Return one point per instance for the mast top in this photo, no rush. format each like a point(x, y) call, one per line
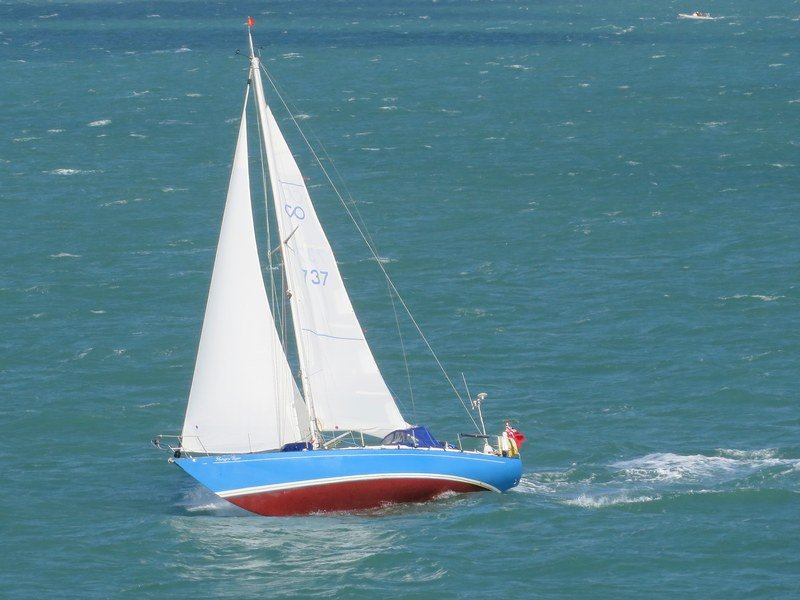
point(250, 23)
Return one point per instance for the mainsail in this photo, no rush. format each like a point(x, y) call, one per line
point(341, 381)
point(243, 396)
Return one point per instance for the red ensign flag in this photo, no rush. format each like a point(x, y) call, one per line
point(517, 436)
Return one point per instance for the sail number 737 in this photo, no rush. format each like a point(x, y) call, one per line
point(315, 277)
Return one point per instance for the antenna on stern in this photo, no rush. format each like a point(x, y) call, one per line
point(476, 405)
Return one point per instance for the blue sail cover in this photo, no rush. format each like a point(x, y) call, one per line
point(416, 437)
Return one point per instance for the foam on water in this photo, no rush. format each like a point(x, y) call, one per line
point(728, 465)
point(657, 476)
point(68, 172)
point(604, 501)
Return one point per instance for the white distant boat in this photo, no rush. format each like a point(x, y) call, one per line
point(697, 15)
point(276, 445)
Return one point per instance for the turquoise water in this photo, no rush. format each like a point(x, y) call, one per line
point(591, 208)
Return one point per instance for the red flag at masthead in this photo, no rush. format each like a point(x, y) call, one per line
point(250, 21)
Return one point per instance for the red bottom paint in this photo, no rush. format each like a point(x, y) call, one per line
point(353, 495)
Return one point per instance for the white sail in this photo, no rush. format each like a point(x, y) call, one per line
point(341, 381)
point(243, 396)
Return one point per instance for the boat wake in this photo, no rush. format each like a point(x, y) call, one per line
point(725, 466)
point(197, 500)
point(585, 501)
point(666, 475)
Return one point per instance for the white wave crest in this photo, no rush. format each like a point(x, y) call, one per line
point(762, 454)
point(729, 464)
point(201, 500)
point(528, 485)
point(585, 501)
point(659, 476)
point(762, 297)
point(216, 506)
point(672, 467)
point(381, 259)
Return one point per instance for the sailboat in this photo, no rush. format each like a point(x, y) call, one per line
point(336, 441)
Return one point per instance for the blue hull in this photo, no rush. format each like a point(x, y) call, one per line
point(290, 483)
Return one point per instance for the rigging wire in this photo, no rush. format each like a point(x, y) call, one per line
point(279, 309)
point(369, 244)
point(405, 357)
point(264, 187)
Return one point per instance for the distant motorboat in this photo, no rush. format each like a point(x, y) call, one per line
point(697, 15)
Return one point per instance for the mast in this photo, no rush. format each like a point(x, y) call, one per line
point(261, 105)
point(250, 23)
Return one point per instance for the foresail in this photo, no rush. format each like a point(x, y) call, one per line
point(243, 396)
point(341, 380)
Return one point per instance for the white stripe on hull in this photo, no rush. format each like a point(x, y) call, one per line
point(290, 485)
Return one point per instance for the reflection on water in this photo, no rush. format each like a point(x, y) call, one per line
point(299, 556)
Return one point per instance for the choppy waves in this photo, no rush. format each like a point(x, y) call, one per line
point(665, 475)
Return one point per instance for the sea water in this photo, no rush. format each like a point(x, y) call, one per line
point(591, 209)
